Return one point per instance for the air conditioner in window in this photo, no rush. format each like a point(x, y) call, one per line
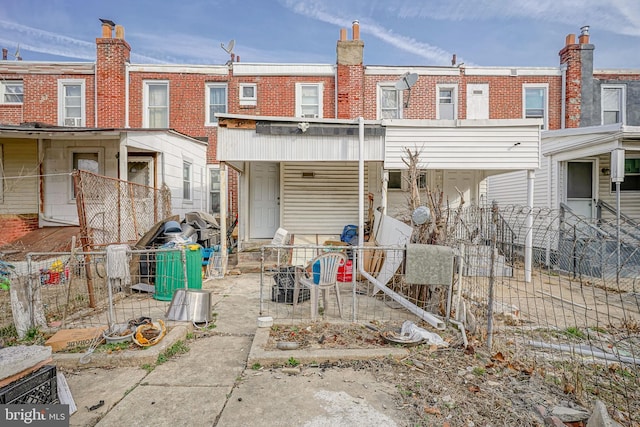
point(310, 116)
point(73, 122)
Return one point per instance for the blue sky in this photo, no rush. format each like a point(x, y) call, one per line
point(417, 32)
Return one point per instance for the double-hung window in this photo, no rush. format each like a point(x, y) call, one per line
point(156, 104)
point(214, 191)
point(71, 103)
point(389, 102)
point(309, 100)
point(11, 92)
point(535, 104)
point(446, 108)
point(187, 170)
point(216, 100)
point(613, 104)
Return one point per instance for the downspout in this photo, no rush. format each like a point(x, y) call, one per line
point(426, 316)
point(563, 106)
point(528, 243)
point(95, 96)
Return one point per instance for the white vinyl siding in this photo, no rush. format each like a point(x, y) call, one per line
point(309, 100)
point(156, 104)
point(613, 104)
point(71, 103)
point(389, 101)
point(447, 102)
point(535, 102)
point(216, 101)
point(323, 204)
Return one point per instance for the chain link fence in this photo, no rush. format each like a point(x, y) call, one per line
point(574, 318)
point(115, 211)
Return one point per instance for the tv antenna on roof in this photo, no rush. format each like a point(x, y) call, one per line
point(229, 48)
point(407, 80)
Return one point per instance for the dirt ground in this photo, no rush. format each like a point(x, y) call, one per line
point(458, 386)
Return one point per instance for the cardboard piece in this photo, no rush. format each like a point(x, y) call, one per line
point(372, 259)
point(66, 339)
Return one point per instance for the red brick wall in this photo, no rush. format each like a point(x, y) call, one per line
point(16, 226)
point(350, 91)
point(570, 55)
point(111, 58)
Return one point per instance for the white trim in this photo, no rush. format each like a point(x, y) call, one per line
point(208, 120)
point(187, 161)
point(454, 98)
point(62, 119)
point(319, 87)
point(512, 71)
point(3, 86)
point(71, 151)
point(258, 69)
point(248, 100)
point(380, 70)
point(400, 99)
point(622, 101)
point(145, 97)
point(544, 86)
point(219, 70)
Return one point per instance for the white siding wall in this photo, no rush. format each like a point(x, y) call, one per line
point(175, 150)
point(501, 147)
point(59, 203)
point(19, 159)
point(323, 204)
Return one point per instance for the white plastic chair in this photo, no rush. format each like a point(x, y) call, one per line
point(327, 278)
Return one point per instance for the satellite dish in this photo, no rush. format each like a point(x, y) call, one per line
point(421, 215)
point(230, 45)
point(406, 81)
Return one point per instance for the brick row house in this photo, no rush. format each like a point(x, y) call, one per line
point(282, 145)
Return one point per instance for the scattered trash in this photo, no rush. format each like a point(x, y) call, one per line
point(411, 334)
point(96, 406)
point(149, 334)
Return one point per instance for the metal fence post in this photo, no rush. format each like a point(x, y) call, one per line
point(492, 273)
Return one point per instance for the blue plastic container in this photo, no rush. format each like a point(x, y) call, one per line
point(315, 268)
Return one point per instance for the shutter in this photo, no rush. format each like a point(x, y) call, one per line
point(323, 203)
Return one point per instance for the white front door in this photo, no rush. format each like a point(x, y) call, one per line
point(581, 187)
point(462, 180)
point(264, 194)
point(478, 101)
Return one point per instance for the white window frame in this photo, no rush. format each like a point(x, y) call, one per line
point(320, 88)
point(454, 98)
point(146, 106)
point(71, 152)
point(248, 100)
point(3, 92)
point(623, 101)
point(400, 99)
point(213, 168)
point(62, 100)
point(543, 86)
point(209, 120)
point(187, 180)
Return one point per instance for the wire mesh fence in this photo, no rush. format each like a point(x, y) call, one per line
point(104, 289)
point(574, 316)
point(115, 211)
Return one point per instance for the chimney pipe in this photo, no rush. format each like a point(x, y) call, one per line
point(119, 32)
point(584, 34)
point(343, 34)
point(5, 53)
point(355, 30)
point(106, 31)
point(571, 39)
point(453, 59)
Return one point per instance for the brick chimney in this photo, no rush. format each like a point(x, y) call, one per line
point(112, 55)
point(579, 97)
point(350, 81)
point(5, 53)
